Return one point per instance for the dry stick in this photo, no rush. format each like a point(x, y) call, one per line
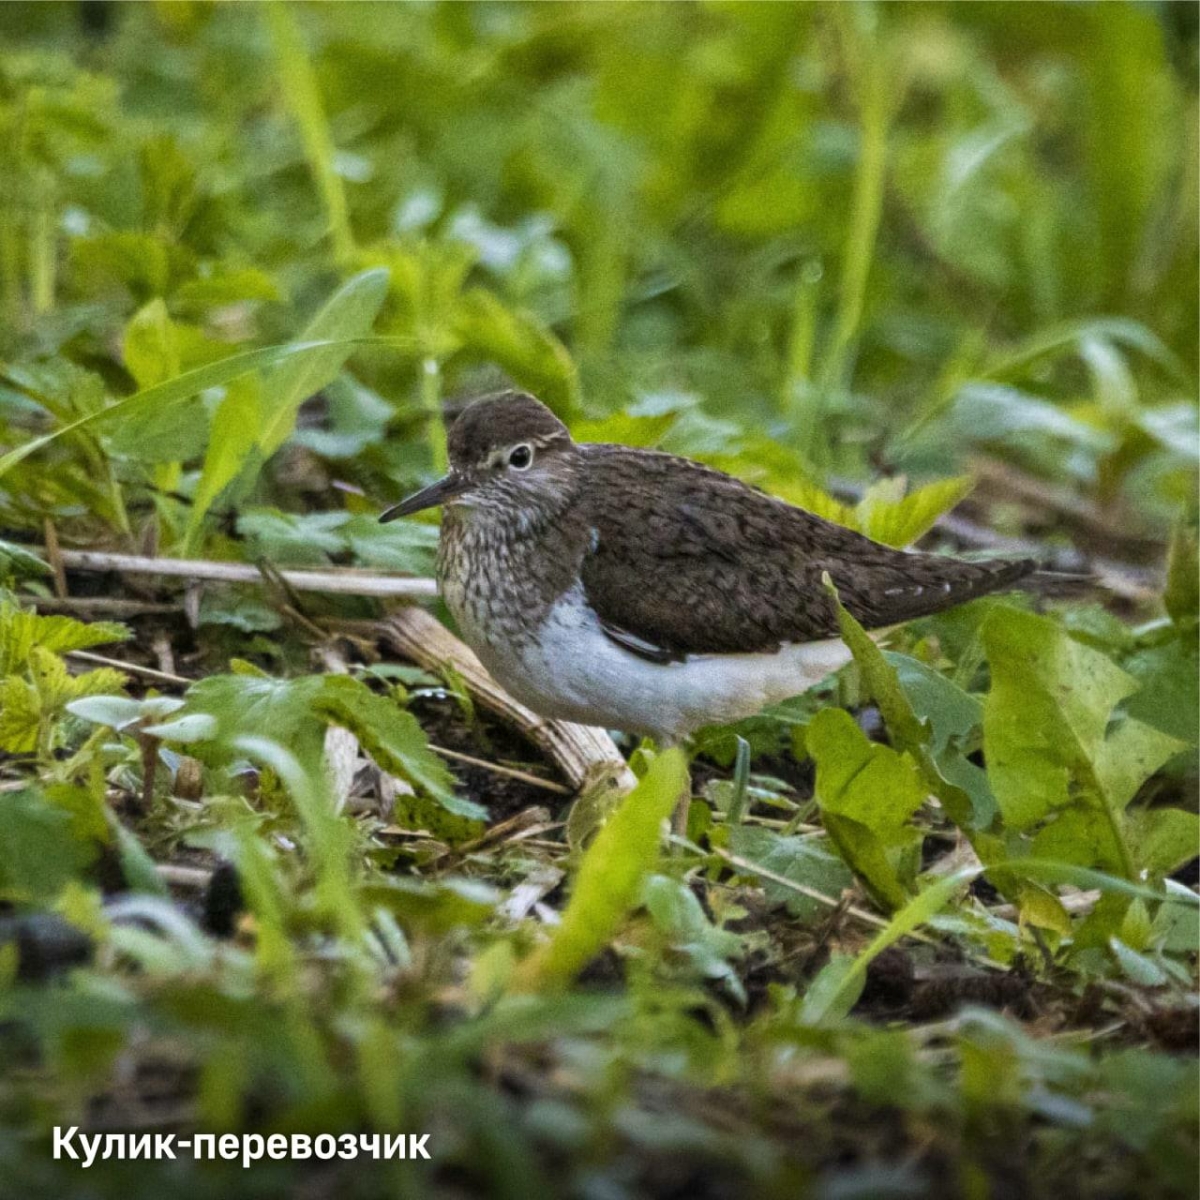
point(130, 668)
point(184, 877)
point(344, 581)
point(499, 769)
point(586, 756)
point(111, 606)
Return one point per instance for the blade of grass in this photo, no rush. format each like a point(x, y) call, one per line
point(833, 993)
point(610, 875)
point(864, 45)
point(184, 386)
point(304, 99)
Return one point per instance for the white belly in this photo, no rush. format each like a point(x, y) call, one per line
point(574, 672)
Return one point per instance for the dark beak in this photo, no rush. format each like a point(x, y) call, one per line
point(430, 497)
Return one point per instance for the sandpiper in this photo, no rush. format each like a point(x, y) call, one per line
point(641, 591)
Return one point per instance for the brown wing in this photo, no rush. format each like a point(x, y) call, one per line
point(692, 561)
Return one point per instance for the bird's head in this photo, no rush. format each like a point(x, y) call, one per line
point(508, 452)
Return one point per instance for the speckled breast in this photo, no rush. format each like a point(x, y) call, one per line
point(494, 580)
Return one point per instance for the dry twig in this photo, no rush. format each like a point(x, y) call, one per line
point(343, 581)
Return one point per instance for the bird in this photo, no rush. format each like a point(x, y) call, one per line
point(645, 592)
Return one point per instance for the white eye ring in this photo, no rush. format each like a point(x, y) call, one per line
point(520, 457)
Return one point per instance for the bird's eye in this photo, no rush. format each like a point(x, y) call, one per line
point(520, 457)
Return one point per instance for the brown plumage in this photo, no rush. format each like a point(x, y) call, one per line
point(695, 561)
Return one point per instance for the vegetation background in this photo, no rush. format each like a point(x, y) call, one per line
point(934, 929)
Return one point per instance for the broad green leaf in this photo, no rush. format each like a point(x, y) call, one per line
point(151, 345)
point(868, 793)
point(1169, 689)
point(1163, 839)
point(21, 631)
point(804, 861)
point(347, 315)
point(1057, 750)
point(392, 737)
point(225, 287)
point(241, 703)
point(39, 847)
point(114, 711)
point(886, 515)
point(609, 878)
point(233, 435)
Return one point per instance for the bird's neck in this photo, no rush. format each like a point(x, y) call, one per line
point(502, 568)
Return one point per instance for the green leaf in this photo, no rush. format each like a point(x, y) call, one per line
point(1057, 750)
point(349, 314)
point(1163, 839)
point(151, 345)
point(114, 711)
point(609, 878)
point(886, 515)
point(1169, 693)
point(296, 712)
point(165, 396)
point(225, 287)
point(20, 561)
point(680, 917)
point(392, 737)
point(233, 435)
point(21, 631)
point(834, 992)
point(137, 866)
point(867, 794)
point(31, 704)
point(239, 703)
point(39, 849)
point(804, 861)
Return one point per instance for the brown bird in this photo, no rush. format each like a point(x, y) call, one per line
point(641, 591)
